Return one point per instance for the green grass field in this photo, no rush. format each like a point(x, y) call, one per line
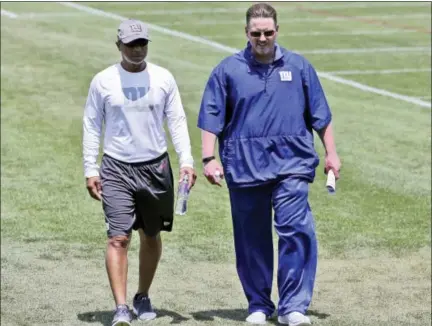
point(374, 235)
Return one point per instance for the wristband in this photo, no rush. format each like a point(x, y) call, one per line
point(207, 159)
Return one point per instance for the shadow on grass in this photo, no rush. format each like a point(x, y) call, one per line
point(231, 314)
point(317, 314)
point(105, 317)
point(176, 318)
point(241, 314)
point(102, 317)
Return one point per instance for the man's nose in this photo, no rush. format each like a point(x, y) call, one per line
point(138, 47)
point(262, 37)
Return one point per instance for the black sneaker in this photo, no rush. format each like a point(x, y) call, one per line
point(142, 307)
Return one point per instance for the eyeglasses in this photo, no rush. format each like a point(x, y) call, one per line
point(266, 33)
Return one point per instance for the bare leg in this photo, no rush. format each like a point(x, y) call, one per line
point(149, 256)
point(116, 263)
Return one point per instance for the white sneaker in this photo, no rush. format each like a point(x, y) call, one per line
point(294, 319)
point(257, 318)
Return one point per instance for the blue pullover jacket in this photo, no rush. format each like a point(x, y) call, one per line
point(264, 116)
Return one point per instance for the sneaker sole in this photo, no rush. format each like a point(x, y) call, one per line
point(144, 319)
point(122, 323)
point(254, 323)
point(301, 324)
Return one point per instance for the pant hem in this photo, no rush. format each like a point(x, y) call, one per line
point(286, 311)
point(266, 312)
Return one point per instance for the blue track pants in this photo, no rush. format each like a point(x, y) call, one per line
point(251, 209)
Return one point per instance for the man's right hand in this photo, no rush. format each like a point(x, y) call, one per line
point(94, 187)
point(214, 173)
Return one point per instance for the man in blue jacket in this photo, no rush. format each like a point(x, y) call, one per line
point(262, 104)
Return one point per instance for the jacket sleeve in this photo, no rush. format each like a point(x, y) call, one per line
point(318, 109)
point(212, 112)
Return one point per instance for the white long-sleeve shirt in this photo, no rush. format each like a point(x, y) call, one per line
point(134, 107)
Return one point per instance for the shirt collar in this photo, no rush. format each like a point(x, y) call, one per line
point(250, 57)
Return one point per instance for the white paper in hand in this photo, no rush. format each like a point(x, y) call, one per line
point(217, 176)
point(331, 182)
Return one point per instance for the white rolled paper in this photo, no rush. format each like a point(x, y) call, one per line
point(217, 176)
point(331, 182)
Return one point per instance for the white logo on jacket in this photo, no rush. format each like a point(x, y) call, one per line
point(285, 75)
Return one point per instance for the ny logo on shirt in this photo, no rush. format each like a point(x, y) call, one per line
point(139, 99)
point(135, 93)
point(285, 75)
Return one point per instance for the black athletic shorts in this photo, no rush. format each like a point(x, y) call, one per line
point(137, 195)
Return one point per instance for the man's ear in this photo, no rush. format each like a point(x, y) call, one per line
point(246, 30)
point(118, 45)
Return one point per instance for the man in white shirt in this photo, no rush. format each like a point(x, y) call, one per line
point(135, 184)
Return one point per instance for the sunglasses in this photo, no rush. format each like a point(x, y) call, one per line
point(266, 33)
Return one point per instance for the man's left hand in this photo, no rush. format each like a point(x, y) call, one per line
point(190, 172)
point(332, 162)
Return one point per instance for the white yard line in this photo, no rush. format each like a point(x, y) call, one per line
point(366, 50)
point(184, 11)
point(372, 5)
point(299, 20)
point(38, 15)
point(221, 10)
point(228, 49)
point(157, 28)
point(33, 15)
point(370, 89)
point(9, 14)
point(279, 9)
point(377, 72)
